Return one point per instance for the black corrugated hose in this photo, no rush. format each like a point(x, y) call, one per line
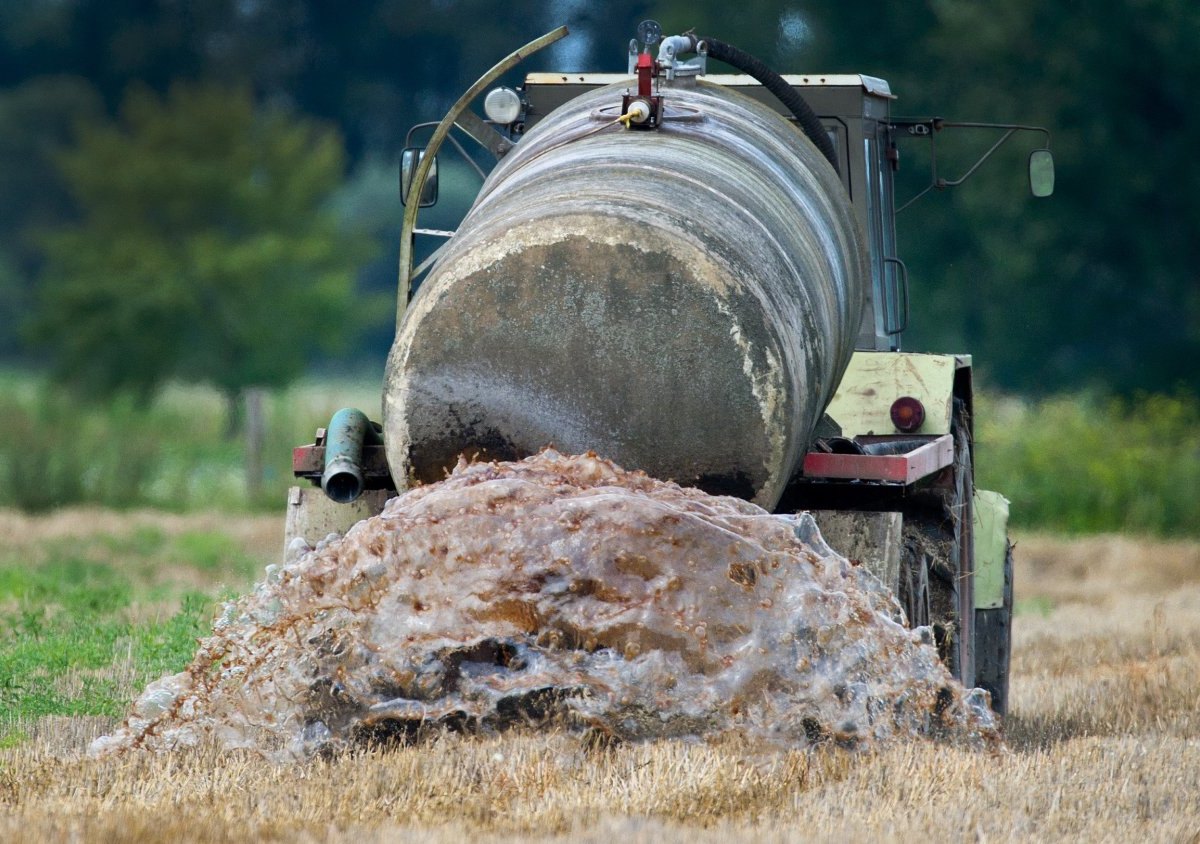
point(777, 85)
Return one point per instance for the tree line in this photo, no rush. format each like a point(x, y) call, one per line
point(205, 190)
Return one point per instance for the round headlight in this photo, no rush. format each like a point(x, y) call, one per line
point(502, 105)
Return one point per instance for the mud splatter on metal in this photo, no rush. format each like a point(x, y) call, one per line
point(683, 301)
point(562, 590)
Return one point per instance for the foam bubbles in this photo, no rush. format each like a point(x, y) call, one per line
point(561, 590)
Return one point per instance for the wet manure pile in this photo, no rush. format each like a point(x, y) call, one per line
point(560, 592)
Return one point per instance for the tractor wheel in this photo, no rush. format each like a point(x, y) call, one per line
point(993, 643)
point(938, 558)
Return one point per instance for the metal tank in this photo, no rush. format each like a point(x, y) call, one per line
point(683, 301)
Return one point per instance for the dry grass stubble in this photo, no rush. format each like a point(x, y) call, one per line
point(1104, 745)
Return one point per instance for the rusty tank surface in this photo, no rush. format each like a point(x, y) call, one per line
point(683, 301)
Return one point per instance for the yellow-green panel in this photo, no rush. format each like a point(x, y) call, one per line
point(991, 548)
point(873, 380)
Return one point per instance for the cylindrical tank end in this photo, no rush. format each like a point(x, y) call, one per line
point(683, 302)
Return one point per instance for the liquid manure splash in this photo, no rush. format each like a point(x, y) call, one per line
point(560, 591)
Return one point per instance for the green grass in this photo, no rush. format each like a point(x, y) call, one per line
point(85, 622)
point(172, 454)
point(1085, 464)
point(1039, 605)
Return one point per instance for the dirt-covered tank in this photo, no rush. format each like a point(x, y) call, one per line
point(683, 301)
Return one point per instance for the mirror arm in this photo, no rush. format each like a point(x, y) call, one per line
point(953, 183)
point(931, 126)
point(404, 286)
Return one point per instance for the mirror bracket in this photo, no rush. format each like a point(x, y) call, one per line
point(929, 127)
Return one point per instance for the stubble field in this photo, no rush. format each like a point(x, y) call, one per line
point(1103, 742)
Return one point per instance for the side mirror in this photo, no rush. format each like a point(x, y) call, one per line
point(1041, 172)
point(409, 159)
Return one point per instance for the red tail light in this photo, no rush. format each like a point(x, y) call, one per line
point(908, 414)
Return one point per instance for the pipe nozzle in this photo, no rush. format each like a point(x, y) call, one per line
point(349, 430)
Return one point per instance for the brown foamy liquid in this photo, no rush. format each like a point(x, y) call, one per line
point(561, 591)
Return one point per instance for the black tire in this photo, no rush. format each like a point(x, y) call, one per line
point(938, 558)
point(993, 643)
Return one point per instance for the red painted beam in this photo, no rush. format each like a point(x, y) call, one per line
point(897, 468)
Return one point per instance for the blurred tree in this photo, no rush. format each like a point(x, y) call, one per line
point(1098, 285)
point(205, 251)
point(37, 119)
point(1095, 285)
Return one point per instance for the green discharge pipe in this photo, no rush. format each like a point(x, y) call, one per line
point(348, 431)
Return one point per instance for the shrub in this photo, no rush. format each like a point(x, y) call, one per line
point(1085, 463)
point(172, 453)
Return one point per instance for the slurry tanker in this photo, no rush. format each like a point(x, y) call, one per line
point(694, 275)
